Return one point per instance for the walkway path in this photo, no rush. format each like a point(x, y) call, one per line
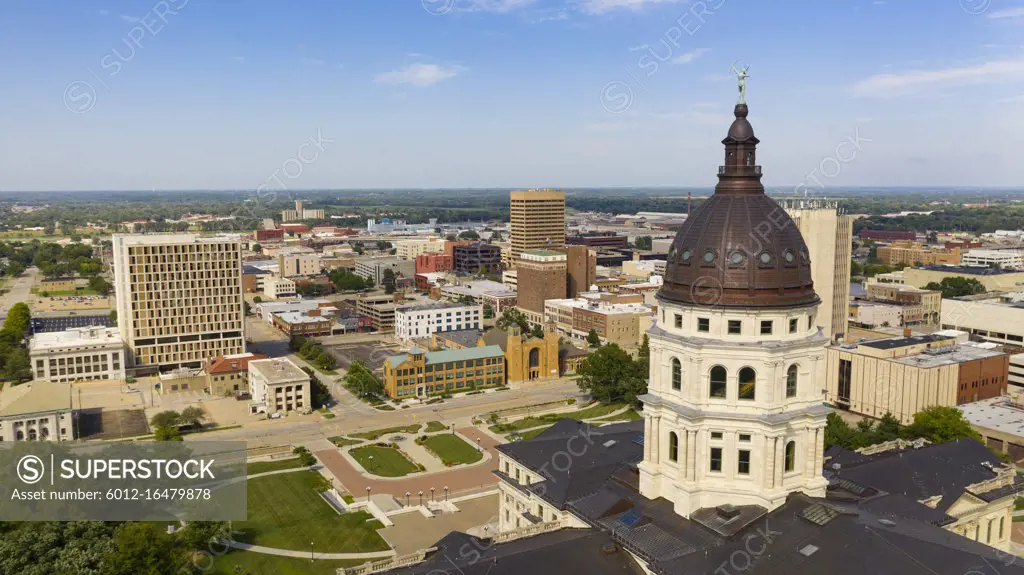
point(307, 554)
point(460, 479)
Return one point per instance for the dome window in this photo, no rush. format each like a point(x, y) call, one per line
point(765, 258)
point(709, 256)
point(789, 256)
point(737, 259)
point(685, 256)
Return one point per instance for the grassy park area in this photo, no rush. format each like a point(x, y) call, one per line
point(340, 441)
point(237, 561)
point(278, 465)
point(594, 411)
point(378, 433)
point(384, 461)
point(452, 449)
point(286, 511)
point(433, 426)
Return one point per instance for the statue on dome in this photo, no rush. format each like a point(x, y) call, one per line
point(741, 79)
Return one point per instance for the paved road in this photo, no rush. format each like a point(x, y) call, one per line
point(464, 479)
point(19, 290)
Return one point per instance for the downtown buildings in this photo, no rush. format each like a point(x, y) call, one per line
point(179, 299)
point(537, 221)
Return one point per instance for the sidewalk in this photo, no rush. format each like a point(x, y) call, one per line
point(307, 554)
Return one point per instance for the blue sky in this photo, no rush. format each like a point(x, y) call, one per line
point(212, 94)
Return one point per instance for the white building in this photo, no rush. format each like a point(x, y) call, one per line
point(297, 262)
point(267, 309)
point(510, 278)
point(1006, 259)
point(373, 268)
point(483, 292)
point(986, 316)
point(278, 288)
point(78, 354)
point(643, 269)
point(36, 411)
point(278, 385)
point(421, 321)
point(733, 413)
point(409, 249)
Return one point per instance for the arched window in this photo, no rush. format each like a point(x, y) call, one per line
point(718, 382)
point(748, 383)
point(790, 456)
point(673, 446)
point(791, 381)
point(677, 374)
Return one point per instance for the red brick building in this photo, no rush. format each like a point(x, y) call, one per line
point(433, 262)
point(269, 235)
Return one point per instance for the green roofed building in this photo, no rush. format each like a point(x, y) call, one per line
point(422, 373)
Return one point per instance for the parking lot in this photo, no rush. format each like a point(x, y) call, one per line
point(372, 354)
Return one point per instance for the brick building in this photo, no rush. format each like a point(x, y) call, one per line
point(541, 275)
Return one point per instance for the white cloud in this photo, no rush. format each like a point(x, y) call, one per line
point(1007, 14)
point(130, 19)
point(639, 47)
point(884, 85)
point(104, 12)
point(603, 6)
point(418, 74)
point(690, 56)
point(496, 6)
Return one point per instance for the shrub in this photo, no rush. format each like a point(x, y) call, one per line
point(571, 401)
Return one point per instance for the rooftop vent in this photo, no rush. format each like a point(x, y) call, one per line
point(887, 522)
point(609, 443)
point(808, 550)
point(727, 511)
point(608, 548)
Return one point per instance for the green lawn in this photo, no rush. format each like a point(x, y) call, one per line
point(1018, 504)
point(595, 411)
point(287, 512)
point(452, 449)
point(378, 433)
point(435, 426)
point(533, 432)
point(238, 562)
point(265, 466)
point(343, 441)
point(628, 415)
point(384, 461)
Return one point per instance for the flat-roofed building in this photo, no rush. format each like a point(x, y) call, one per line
point(476, 258)
point(279, 288)
point(420, 321)
point(993, 279)
point(229, 375)
point(380, 309)
point(1000, 422)
point(297, 261)
point(541, 276)
point(278, 385)
point(920, 306)
point(613, 320)
point(54, 285)
point(78, 354)
point(411, 249)
point(912, 254)
point(304, 323)
point(990, 317)
point(266, 310)
point(905, 375)
point(537, 220)
point(373, 268)
point(179, 298)
point(869, 314)
point(1016, 376)
point(422, 373)
point(37, 411)
point(483, 292)
point(1005, 259)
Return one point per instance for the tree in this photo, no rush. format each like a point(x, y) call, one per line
point(856, 269)
point(167, 418)
point(388, 280)
point(469, 235)
point(257, 299)
point(100, 285)
point(18, 319)
point(644, 242)
point(537, 331)
point(257, 249)
point(511, 317)
point(44, 547)
point(643, 356)
point(593, 339)
point(939, 424)
point(321, 395)
point(113, 316)
point(143, 548)
point(246, 308)
point(610, 374)
point(17, 365)
point(194, 416)
point(15, 269)
point(488, 311)
point(383, 245)
point(362, 382)
point(167, 434)
point(956, 287)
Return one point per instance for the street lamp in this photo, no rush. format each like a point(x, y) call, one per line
point(421, 497)
point(310, 551)
point(446, 493)
point(367, 493)
point(406, 498)
point(431, 494)
point(453, 429)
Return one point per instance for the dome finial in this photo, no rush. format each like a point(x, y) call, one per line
point(741, 80)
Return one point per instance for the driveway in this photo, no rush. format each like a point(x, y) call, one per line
point(19, 289)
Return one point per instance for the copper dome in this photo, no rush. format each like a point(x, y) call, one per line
point(739, 248)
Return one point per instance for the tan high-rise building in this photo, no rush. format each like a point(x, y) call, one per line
point(829, 237)
point(179, 298)
point(540, 275)
point(538, 220)
point(581, 270)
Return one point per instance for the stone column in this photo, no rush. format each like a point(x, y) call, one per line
point(692, 462)
point(648, 439)
point(819, 451)
point(656, 440)
point(780, 459)
point(810, 452)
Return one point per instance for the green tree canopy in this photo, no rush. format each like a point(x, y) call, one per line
point(510, 317)
point(610, 374)
point(593, 339)
point(956, 286)
point(939, 424)
point(362, 382)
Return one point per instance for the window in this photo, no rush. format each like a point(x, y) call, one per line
point(748, 383)
point(743, 462)
point(716, 459)
point(792, 325)
point(673, 446)
point(790, 456)
point(703, 324)
point(810, 322)
point(718, 382)
point(677, 374)
point(716, 435)
point(791, 381)
point(766, 327)
point(988, 532)
point(745, 437)
point(679, 321)
point(735, 327)
point(845, 377)
point(1000, 519)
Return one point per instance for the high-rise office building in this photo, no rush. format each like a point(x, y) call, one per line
point(179, 298)
point(829, 236)
point(538, 220)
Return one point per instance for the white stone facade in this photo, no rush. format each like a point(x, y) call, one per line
point(734, 410)
point(78, 354)
point(423, 321)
